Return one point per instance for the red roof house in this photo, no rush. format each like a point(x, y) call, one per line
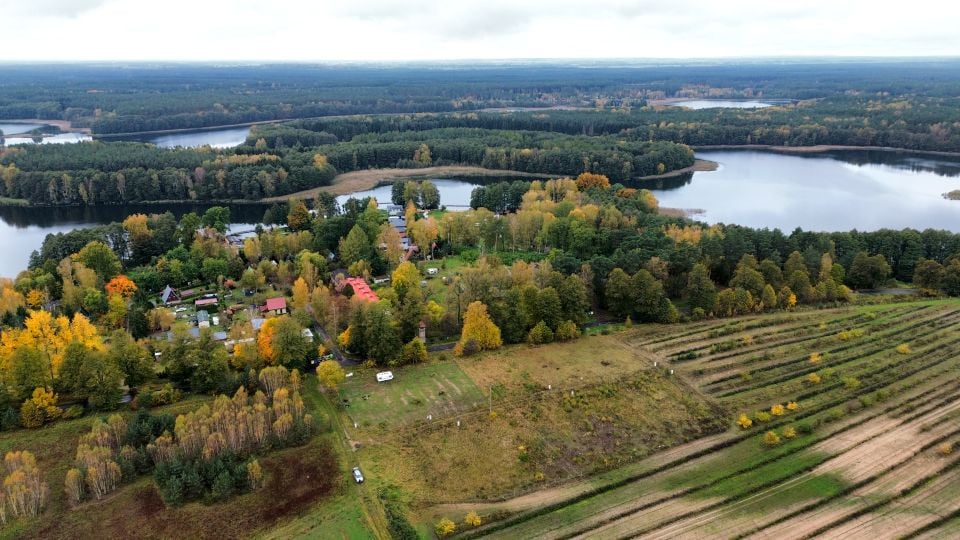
point(360, 289)
point(277, 306)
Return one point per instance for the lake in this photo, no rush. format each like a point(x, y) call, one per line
point(14, 134)
point(720, 104)
point(216, 138)
point(453, 193)
point(22, 229)
point(818, 192)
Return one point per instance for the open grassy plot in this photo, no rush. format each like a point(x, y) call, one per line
point(437, 389)
point(860, 455)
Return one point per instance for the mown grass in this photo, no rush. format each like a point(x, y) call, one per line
point(434, 388)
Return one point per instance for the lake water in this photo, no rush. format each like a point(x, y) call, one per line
point(14, 134)
point(22, 230)
point(453, 193)
point(819, 192)
point(13, 129)
point(216, 138)
point(720, 104)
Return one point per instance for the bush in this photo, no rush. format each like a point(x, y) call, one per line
point(816, 358)
point(789, 432)
point(770, 438)
point(777, 410)
point(903, 348)
point(567, 331)
point(762, 416)
point(744, 421)
point(540, 334)
point(945, 449)
point(851, 383)
point(10, 419)
point(472, 519)
point(792, 406)
point(400, 528)
point(39, 409)
point(445, 527)
point(813, 378)
point(73, 411)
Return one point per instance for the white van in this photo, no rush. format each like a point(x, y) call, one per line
point(384, 376)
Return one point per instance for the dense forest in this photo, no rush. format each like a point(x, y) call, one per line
point(108, 173)
point(133, 98)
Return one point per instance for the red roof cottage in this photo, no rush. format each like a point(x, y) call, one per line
point(277, 306)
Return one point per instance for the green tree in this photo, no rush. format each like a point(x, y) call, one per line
point(429, 195)
point(216, 217)
point(928, 275)
point(701, 291)
point(133, 360)
point(355, 246)
point(618, 292)
point(98, 257)
point(868, 272)
point(101, 381)
point(769, 297)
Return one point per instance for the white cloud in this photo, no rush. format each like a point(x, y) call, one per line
point(465, 29)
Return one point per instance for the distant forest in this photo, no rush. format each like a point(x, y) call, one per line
point(131, 98)
point(540, 118)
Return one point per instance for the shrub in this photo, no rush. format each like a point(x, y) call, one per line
point(851, 383)
point(445, 527)
point(762, 416)
point(39, 409)
point(472, 520)
point(73, 411)
point(777, 410)
point(789, 432)
point(945, 449)
point(540, 334)
point(792, 406)
point(567, 331)
point(903, 348)
point(770, 438)
point(805, 428)
point(813, 378)
point(744, 421)
point(816, 358)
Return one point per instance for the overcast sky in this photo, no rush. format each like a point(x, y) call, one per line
point(195, 30)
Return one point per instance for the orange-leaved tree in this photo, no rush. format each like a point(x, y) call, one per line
point(121, 285)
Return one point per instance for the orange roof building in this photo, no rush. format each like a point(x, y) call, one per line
point(360, 289)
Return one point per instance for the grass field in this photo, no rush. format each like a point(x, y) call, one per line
point(438, 389)
point(861, 457)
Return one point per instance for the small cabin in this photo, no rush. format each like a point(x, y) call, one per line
point(275, 306)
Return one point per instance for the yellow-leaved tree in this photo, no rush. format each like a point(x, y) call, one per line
point(301, 294)
point(50, 336)
point(479, 333)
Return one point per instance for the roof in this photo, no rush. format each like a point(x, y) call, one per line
point(361, 289)
point(274, 304)
point(206, 302)
point(257, 323)
point(167, 293)
point(203, 316)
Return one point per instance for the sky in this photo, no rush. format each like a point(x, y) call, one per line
point(403, 30)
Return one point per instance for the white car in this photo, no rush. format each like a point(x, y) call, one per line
point(357, 475)
point(384, 376)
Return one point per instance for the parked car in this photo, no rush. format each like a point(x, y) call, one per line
point(384, 376)
point(357, 475)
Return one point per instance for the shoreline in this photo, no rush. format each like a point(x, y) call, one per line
point(822, 148)
point(699, 165)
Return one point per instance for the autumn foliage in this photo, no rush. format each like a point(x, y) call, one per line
point(121, 285)
point(589, 180)
point(479, 333)
point(24, 491)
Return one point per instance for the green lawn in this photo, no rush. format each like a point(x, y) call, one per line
point(436, 389)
